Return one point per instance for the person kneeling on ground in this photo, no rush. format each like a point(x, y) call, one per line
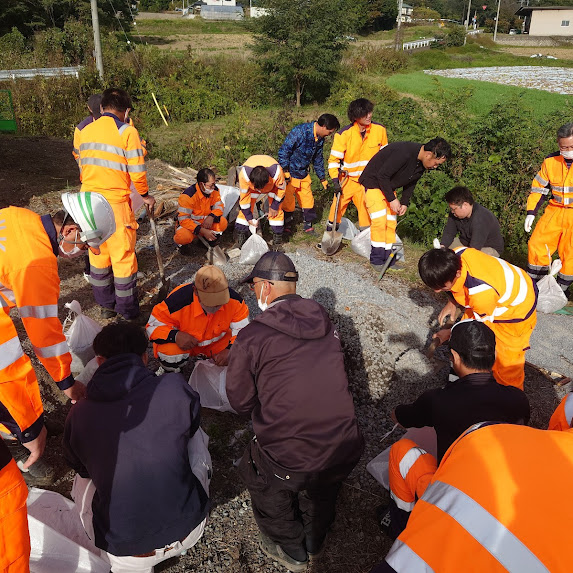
point(476, 226)
point(286, 370)
point(200, 212)
point(199, 318)
point(474, 397)
point(133, 459)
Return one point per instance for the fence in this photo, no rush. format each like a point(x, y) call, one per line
point(34, 72)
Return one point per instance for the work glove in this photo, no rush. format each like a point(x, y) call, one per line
point(437, 244)
point(528, 222)
point(324, 183)
point(337, 187)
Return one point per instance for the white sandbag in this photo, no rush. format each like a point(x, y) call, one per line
point(59, 541)
point(210, 382)
point(229, 196)
point(80, 335)
point(136, 200)
point(253, 249)
point(551, 297)
point(361, 245)
point(88, 372)
point(200, 458)
point(348, 229)
point(425, 437)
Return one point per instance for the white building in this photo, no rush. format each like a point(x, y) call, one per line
point(547, 20)
point(220, 2)
point(406, 13)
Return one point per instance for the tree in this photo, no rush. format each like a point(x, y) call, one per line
point(378, 14)
point(300, 43)
point(423, 13)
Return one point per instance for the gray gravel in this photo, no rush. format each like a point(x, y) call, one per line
point(556, 80)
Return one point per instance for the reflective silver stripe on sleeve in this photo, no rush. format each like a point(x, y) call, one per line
point(490, 533)
point(337, 154)
point(123, 128)
point(153, 323)
point(52, 351)
point(218, 205)
point(7, 293)
point(185, 210)
point(103, 163)
point(172, 358)
point(137, 168)
point(10, 351)
point(134, 153)
point(236, 326)
point(103, 147)
point(207, 342)
point(44, 311)
point(540, 180)
point(569, 408)
point(183, 217)
point(405, 560)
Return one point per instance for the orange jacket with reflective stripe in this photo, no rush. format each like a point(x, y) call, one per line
point(275, 188)
point(181, 310)
point(493, 289)
point(353, 151)
point(563, 415)
point(553, 176)
point(111, 158)
point(76, 149)
point(194, 206)
point(490, 506)
point(29, 280)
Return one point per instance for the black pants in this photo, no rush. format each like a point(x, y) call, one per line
point(294, 509)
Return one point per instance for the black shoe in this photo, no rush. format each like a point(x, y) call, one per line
point(315, 552)
point(139, 320)
point(309, 231)
point(383, 518)
point(107, 313)
point(39, 473)
point(277, 553)
point(277, 243)
point(185, 250)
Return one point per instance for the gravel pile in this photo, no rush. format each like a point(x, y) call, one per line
point(556, 80)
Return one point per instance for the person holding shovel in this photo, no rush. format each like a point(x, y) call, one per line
point(200, 212)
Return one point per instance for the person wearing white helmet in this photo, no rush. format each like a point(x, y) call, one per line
point(29, 281)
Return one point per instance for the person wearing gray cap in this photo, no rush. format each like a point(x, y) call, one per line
point(286, 370)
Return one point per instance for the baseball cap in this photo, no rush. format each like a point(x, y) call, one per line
point(212, 286)
point(273, 266)
point(94, 103)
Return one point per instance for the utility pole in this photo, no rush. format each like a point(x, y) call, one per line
point(398, 39)
point(468, 20)
point(97, 40)
point(496, 20)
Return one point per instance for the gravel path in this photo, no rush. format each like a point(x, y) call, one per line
point(556, 80)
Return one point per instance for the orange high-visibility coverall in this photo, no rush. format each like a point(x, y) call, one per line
point(554, 230)
point(352, 152)
point(181, 310)
point(505, 298)
point(488, 507)
point(275, 189)
point(111, 158)
point(562, 418)
point(14, 537)
point(29, 282)
point(194, 207)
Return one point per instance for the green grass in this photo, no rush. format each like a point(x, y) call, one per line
point(187, 27)
point(485, 95)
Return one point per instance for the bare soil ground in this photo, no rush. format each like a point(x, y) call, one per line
point(559, 53)
point(203, 43)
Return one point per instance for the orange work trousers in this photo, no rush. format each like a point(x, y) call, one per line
point(382, 228)
point(301, 188)
point(14, 536)
point(276, 222)
point(184, 236)
point(352, 191)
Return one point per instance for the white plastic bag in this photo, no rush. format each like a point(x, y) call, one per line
point(200, 458)
point(551, 296)
point(229, 196)
point(209, 381)
point(88, 372)
point(80, 336)
point(361, 245)
point(348, 229)
point(253, 249)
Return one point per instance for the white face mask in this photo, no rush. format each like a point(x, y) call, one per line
point(567, 154)
point(74, 253)
point(263, 305)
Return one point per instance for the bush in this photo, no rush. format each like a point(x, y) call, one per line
point(369, 59)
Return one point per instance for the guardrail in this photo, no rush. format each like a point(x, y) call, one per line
point(417, 44)
point(45, 72)
point(474, 32)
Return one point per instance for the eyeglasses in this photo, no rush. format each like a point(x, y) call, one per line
point(252, 285)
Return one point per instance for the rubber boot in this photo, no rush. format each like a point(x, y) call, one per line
point(277, 243)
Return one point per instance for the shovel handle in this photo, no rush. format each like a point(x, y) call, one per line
point(156, 243)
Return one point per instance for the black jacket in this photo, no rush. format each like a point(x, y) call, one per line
point(130, 437)
point(286, 369)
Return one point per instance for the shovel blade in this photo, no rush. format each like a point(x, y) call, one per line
point(217, 256)
point(330, 242)
point(164, 290)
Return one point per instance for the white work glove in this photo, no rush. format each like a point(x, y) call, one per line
point(437, 244)
point(528, 222)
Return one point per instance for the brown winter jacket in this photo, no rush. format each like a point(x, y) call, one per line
point(286, 369)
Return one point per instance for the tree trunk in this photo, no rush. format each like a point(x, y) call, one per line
point(298, 92)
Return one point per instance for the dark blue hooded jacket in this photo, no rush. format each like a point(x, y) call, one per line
point(300, 149)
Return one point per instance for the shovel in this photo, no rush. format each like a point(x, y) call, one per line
point(331, 239)
point(165, 287)
point(215, 255)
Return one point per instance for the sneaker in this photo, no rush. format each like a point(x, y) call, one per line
point(276, 553)
point(309, 231)
point(107, 313)
point(38, 474)
point(397, 266)
point(277, 243)
point(383, 518)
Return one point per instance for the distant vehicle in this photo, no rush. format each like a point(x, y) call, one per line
point(178, 9)
point(514, 31)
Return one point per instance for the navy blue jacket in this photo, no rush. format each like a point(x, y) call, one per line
point(130, 437)
point(299, 150)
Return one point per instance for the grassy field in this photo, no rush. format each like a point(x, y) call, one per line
point(185, 26)
point(485, 95)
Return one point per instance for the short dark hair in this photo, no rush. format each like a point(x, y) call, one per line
point(439, 147)
point(565, 131)
point(115, 98)
point(60, 217)
point(259, 177)
point(438, 267)
point(474, 341)
point(203, 175)
point(458, 196)
point(120, 338)
point(359, 108)
point(329, 121)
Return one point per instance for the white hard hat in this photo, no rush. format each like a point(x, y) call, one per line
point(93, 213)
